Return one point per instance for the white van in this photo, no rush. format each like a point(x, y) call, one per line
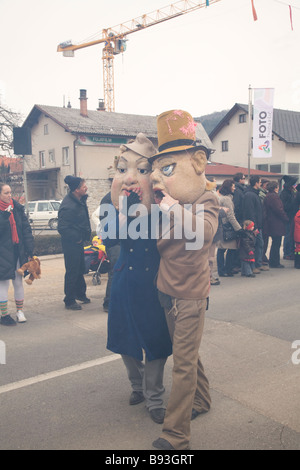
point(43, 213)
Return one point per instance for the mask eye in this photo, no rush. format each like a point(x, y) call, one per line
point(121, 169)
point(168, 170)
point(143, 171)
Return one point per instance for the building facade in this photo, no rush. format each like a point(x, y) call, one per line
point(230, 139)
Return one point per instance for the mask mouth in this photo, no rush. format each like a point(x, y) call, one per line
point(158, 196)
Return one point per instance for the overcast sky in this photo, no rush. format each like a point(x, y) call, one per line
point(201, 62)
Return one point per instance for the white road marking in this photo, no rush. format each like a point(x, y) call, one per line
point(57, 373)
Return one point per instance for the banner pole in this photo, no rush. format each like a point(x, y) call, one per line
point(249, 129)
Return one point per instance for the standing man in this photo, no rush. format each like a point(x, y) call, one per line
point(74, 228)
point(238, 196)
point(253, 210)
point(181, 189)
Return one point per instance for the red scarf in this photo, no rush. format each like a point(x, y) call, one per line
point(14, 233)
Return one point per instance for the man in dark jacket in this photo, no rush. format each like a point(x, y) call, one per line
point(287, 196)
point(238, 196)
point(74, 228)
point(253, 211)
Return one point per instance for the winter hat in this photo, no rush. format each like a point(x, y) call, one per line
point(289, 180)
point(73, 182)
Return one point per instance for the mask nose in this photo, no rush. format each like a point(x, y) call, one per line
point(130, 177)
point(155, 177)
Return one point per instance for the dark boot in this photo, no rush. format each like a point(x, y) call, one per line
point(297, 261)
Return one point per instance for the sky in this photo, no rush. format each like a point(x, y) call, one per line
point(202, 62)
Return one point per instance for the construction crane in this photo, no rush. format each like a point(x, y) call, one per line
point(114, 40)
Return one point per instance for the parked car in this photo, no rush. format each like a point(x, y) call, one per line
point(43, 213)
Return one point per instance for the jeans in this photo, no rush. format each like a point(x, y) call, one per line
point(288, 242)
point(259, 249)
point(247, 268)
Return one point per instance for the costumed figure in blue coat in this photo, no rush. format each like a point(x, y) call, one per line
point(137, 328)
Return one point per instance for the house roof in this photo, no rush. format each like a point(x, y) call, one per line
point(286, 124)
point(103, 122)
point(221, 169)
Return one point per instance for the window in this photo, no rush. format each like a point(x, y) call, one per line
point(242, 118)
point(293, 168)
point(46, 130)
point(275, 168)
point(65, 156)
point(51, 156)
point(263, 167)
point(44, 207)
point(224, 145)
point(42, 159)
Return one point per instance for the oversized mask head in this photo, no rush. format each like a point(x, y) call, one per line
point(179, 167)
point(133, 172)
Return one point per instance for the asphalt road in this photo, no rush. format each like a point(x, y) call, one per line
point(61, 389)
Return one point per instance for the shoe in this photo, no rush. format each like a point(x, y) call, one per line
point(21, 317)
point(278, 266)
point(105, 308)
point(196, 413)
point(289, 257)
point(162, 444)
point(214, 281)
point(74, 306)
point(250, 275)
point(158, 415)
point(264, 267)
point(7, 321)
point(236, 270)
point(84, 300)
point(256, 271)
point(136, 398)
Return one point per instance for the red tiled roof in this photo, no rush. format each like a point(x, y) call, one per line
point(214, 168)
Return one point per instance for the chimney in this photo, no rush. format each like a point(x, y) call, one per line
point(101, 105)
point(83, 103)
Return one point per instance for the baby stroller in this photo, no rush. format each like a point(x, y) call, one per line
point(96, 260)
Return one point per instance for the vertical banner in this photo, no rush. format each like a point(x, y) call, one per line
point(262, 122)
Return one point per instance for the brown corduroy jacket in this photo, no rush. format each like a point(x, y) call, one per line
point(184, 273)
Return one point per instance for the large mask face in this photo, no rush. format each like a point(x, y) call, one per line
point(132, 174)
point(181, 175)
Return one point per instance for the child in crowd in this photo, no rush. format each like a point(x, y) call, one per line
point(247, 248)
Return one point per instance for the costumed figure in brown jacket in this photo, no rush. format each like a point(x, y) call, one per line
point(183, 193)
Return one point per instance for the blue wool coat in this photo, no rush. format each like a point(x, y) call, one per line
point(136, 320)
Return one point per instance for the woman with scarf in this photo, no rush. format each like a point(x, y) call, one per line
point(16, 245)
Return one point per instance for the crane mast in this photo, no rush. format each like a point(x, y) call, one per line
point(114, 40)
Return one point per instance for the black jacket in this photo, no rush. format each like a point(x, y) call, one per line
point(73, 219)
point(288, 196)
point(7, 250)
point(238, 197)
point(253, 209)
point(247, 244)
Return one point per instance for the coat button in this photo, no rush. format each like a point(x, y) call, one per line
point(146, 249)
point(130, 268)
point(147, 269)
point(131, 250)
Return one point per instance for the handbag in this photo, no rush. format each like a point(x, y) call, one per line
point(229, 233)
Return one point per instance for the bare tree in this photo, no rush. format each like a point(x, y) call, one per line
point(8, 120)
